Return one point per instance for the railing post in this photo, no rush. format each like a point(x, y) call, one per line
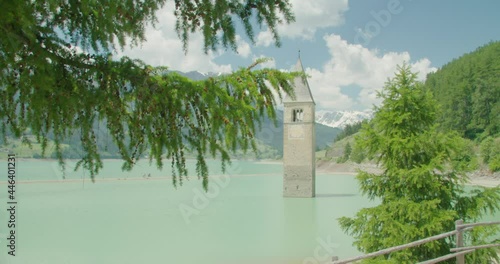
point(459, 240)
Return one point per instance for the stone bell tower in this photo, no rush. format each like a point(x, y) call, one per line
point(299, 142)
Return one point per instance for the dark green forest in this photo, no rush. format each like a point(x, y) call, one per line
point(350, 130)
point(468, 91)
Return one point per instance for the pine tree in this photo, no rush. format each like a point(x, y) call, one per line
point(420, 191)
point(48, 85)
point(347, 152)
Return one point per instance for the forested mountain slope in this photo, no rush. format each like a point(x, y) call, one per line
point(468, 90)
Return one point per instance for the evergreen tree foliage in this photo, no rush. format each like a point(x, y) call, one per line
point(57, 76)
point(347, 150)
point(494, 164)
point(358, 154)
point(464, 157)
point(490, 153)
point(468, 89)
point(346, 155)
point(420, 190)
point(349, 130)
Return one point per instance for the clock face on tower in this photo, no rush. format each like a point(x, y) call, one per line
point(296, 132)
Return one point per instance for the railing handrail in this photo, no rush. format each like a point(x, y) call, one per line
point(459, 228)
point(397, 248)
point(478, 224)
point(446, 257)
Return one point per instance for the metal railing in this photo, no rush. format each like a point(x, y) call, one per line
point(458, 252)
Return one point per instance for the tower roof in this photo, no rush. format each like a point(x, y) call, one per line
point(301, 87)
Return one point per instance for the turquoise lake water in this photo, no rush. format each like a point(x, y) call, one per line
point(125, 218)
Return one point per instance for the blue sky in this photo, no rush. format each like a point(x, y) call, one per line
point(349, 48)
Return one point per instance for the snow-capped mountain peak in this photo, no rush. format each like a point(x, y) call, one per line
point(341, 118)
point(197, 75)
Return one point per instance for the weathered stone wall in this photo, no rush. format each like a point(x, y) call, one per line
point(299, 152)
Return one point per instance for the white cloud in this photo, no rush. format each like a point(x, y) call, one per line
point(355, 65)
point(326, 91)
point(423, 67)
point(243, 48)
point(265, 38)
point(163, 47)
point(310, 16)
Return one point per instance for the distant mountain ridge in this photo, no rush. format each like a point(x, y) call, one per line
point(335, 119)
point(197, 76)
point(273, 136)
point(340, 119)
point(270, 136)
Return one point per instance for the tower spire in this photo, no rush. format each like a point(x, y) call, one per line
point(301, 86)
point(299, 139)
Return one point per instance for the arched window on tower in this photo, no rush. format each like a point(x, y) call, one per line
point(297, 115)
